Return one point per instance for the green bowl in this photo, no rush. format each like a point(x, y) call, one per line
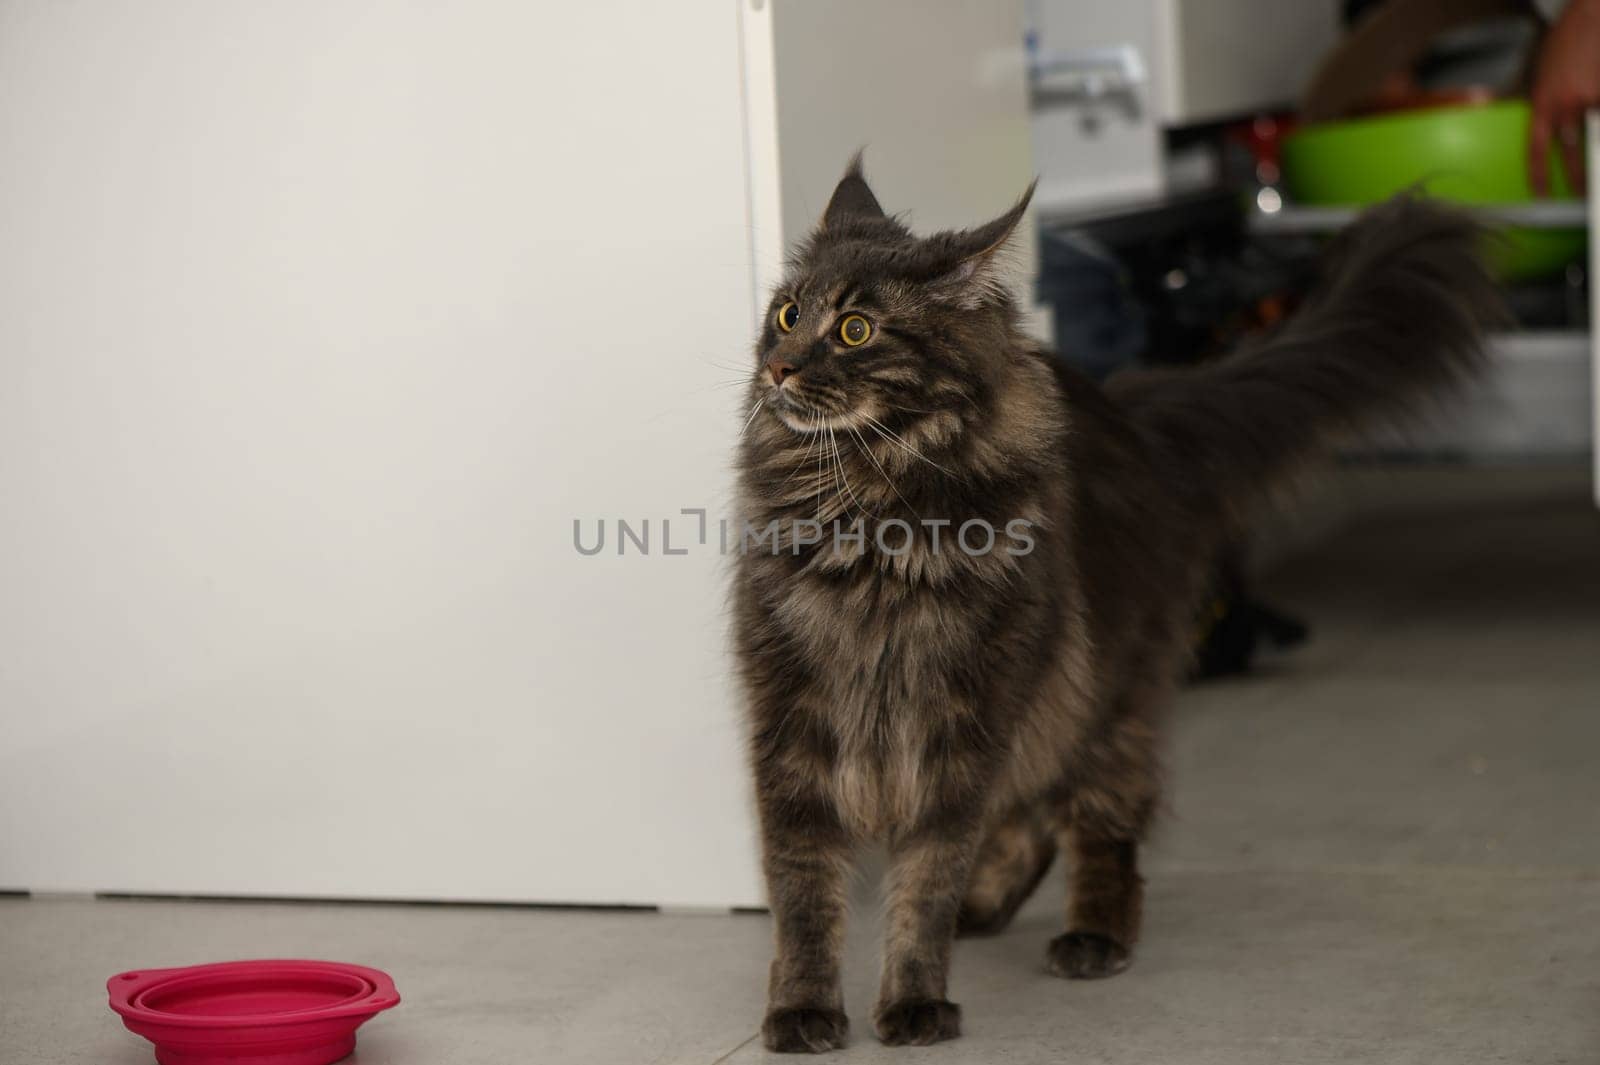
point(1471, 154)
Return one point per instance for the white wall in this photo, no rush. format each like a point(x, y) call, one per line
point(319, 323)
point(935, 91)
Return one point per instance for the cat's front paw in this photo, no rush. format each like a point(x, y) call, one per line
point(1086, 956)
point(918, 1022)
point(804, 1030)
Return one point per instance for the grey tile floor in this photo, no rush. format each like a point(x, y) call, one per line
point(1381, 848)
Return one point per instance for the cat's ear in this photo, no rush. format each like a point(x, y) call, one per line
point(852, 198)
point(970, 266)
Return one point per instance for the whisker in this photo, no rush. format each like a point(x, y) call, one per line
point(838, 460)
point(861, 445)
point(821, 498)
point(753, 412)
point(833, 467)
point(745, 368)
point(895, 438)
point(810, 446)
point(716, 386)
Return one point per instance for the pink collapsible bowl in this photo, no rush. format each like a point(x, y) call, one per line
point(252, 1012)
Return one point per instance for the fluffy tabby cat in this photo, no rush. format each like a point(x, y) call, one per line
point(974, 710)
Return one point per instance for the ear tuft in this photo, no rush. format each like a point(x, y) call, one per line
point(991, 237)
point(972, 262)
point(852, 197)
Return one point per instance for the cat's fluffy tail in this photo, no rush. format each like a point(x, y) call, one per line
point(1399, 316)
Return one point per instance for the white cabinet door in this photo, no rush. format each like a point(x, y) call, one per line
point(935, 91)
point(321, 323)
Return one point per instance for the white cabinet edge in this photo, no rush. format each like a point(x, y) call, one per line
point(763, 166)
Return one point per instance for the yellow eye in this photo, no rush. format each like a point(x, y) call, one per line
point(788, 315)
point(855, 330)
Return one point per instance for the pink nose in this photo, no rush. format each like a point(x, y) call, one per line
point(780, 369)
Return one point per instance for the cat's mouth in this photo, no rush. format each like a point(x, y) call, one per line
point(804, 414)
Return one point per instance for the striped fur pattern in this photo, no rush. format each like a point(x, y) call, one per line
point(973, 712)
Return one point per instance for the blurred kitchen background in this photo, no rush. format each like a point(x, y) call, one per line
point(1193, 158)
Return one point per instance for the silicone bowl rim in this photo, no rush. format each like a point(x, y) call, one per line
point(127, 989)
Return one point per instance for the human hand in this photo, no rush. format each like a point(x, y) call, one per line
point(1566, 85)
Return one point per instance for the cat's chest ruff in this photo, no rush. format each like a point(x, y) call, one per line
point(879, 688)
point(871, 638)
